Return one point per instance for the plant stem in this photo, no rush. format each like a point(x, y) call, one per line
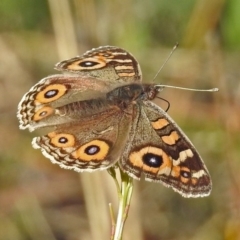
point(124, 189)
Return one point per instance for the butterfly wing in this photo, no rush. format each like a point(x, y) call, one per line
point(158, 149)
point(91, 143)
point(96, 72)
point(97, 118)
point(40, 102)
point(107, 63)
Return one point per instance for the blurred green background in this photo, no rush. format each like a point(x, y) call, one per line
point(38, 200)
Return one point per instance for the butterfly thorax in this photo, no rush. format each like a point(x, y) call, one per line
point(125, 95)
point(131, 93)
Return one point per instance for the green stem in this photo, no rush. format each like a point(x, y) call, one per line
point(113, 221)
point(124, 195)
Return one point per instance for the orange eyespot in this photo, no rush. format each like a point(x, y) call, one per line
point(43, 113)
point(62, 140)
point(51, 93)
point(96, 150)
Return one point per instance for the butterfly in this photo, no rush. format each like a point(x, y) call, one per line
point(100, 113)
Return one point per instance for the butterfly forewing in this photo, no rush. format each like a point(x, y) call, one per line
point(97, 71)
point(108, 63)
point(164, 154)
point(38, 106)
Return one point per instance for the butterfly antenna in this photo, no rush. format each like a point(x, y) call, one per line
point(170, 54)
point(161, 87)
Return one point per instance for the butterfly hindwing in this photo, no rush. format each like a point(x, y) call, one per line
point(81, 147)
